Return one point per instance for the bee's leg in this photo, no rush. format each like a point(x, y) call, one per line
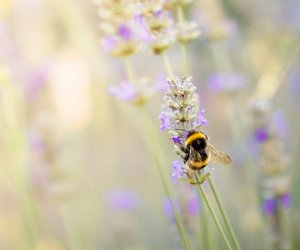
point(182, 152)
point(190, 174)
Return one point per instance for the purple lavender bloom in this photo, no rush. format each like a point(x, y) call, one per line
point(36, 81)
point(158, 13)
point(285, 200)
point(295, 80)
point(123, 200)
point(261, 135)
point(165, 121)
point(186, 134)
point(176, 139)
point(36, 142)
point(141, 30)
point(280, 123)
point(161, 83)
point(109, 43)
point(226, 81)
point(168, 209)
point(201, 120)
point(124, 32)
point(193, 205)
point(269, 205)
point(125, 91)
point(177, 170)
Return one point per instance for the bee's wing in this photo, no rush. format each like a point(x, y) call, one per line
point(217, 155)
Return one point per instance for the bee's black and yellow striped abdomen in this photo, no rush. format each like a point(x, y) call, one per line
point(195, 144)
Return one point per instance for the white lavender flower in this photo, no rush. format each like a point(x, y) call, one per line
point(181, 113)
point(269, 136)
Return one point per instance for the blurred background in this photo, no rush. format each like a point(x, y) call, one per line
point(76, 170)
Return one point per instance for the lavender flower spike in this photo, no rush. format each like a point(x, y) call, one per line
point(181, 115)
point(181, 106)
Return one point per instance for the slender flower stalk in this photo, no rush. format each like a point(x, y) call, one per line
point(155, 148)
point(205, 227)
point(180, 17)
point(181, 22)
point(167, 65)
point(129, 69)
point(224, 214)
point(212, 213)
point(15, 162)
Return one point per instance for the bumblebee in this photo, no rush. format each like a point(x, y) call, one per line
point(197, 152)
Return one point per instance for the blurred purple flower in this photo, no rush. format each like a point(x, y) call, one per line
point(201, 120)
point(124, 32)
point(193, 205)
point(168, 208)
point(294, 78)
point(261, 135)
point(226, 81)
point(109, 43)
point(165, 121)
point(141, 30)
point(161, 83)
point(35, 141)
point(177, 170)
point(125, 91)
point(285, 200)
point(37, 79)
point(280, 123)
point(269, 205)
point(123, 200)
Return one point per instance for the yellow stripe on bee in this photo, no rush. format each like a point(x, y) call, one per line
point(199, 164)
point(193, 137)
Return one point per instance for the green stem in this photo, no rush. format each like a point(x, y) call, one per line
point(159, 160)
point(181, 19)
point(224, 214)
point(213, 214)
point(185, 59)
point(129, 69)
point(160, 166)
point(180, 14)
point(167, 65)
point(204, 230)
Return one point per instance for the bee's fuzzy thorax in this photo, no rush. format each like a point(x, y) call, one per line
point(194, 136)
